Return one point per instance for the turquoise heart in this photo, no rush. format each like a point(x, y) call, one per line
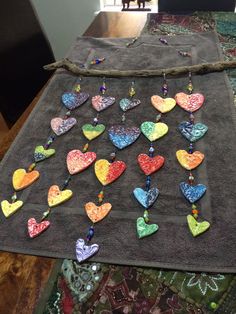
point(195, 227)
point(122, 136)
point(192, 132)
point(192, 192)
point(127, 104)
point(146, 198)
point(144, 229)
point(41, 153)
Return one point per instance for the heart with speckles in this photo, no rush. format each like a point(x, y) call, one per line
point(9, 209)
point(154, 131)
point(56, 197)
point(83, 251)
point(190, 103)
point(22, 179)
point(101, 103)
point(145, 230)
point(127, 104)
point(192, 132)
point(40, 153)
point(72, 100)
point(192, 192)
point(196, 227)
point(107, 172)
point(92, 131)
point(189, 161)
point(61, 126)
point(122, 136)
point(163, 104)
point(150, 165)
point(146, 198)
point(97, 213)
point(35, 229)
point(78, 161)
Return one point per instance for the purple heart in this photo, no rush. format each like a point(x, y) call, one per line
point(72, 100)
point(100, 103)
point(122, 137)
point(61, 126)
point(84, 251)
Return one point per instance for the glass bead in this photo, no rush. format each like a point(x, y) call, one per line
point(14, 197)
point(213, 305)
point(194, 206)
point(145, 216)
point(158, 117)
point(77, 88)
point(195, 216)
point(123, 117)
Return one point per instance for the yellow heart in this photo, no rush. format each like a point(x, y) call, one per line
point(22, 179)
point(163, 104)
point(56, 197)
point(189, 161)
point(9, 209)
point(154, 131)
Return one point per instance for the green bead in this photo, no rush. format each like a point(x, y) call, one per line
point(194, 206)
point(213, 305)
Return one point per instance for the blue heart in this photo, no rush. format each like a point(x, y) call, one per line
point(127, 104)
point(146, 198)
point(192, 193)
point(192, 132)
point(73, 100)
point(122, 137)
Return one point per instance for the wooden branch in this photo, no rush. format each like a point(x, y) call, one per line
point(202, 68)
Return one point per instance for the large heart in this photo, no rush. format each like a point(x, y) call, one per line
point(195, 227)
point(122, 136)
point(56, 197)
point(189, 161)
point(192, 132)
point(22, 179)
point(78, 161)
point(144, 229)
point(191, 102)
point(61, 126)
point(192, 192)
point(150, 164)
point(101, 103)
point(35, 229)
point(127, 104)
point(90, 131)
point(9, 209)
point(163, 104)
point(73, 100)
point(153, 131)
point(84, 251)
point(107, 172)
point(97, 213)
point(146, 198)
point(40, 153)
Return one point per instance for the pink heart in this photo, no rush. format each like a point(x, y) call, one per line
point(35, 228)
point(61, 126)
point(191, 102)
point(78, 161)
point(100, 103)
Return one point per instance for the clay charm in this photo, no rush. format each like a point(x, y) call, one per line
point(190, 103)
point(41, 153)
point(195, 227)
point(9, 209)
point(97, 213)
point(78, 161)
point(127, 104)
point(144, 229)
point(101, 103)
point(192, 192)
point(150, 165)
point(154, 131)
point(192, 132)
point(61, 126)
point(122, 136)
point(22, 179)
point(107, 172)
point(35, 229)
point(72, 100)
point(189, 161)
point(91, 132)
point(146, 198)
point(84, 251)
point(163, 104)
point(56, 197)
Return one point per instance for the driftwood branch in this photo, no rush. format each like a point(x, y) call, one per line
point(202, 68)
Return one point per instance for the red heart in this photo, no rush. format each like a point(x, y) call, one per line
point(35, 228)
point(78, 161)
point(107, 172)
point(191, 102)
point(150, 164)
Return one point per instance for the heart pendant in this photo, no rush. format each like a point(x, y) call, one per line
point(189, 161)
point(107, 172)
point(83, 251)
point(101, 103)
point(56, 197)
point(40, 153)
point(144, 229)
point(195, 227)
point(153, 131)
point(146, 198)
point(122, 137)
point(35, 229)
point(192, 132)
point(73, 100)
point(22, 179)
point(78, 161)
point(61, 126)
point(127, 104)
point(150, 164)
point(9, 209)
point(191, 102)
point(192, 192)
point(97, 213)
point(91, 132)
point(163, 104)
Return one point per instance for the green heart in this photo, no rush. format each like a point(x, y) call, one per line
point(195, 227)
point(153, 131)
point(40, 153)
point(144, 229)
point(91, 132)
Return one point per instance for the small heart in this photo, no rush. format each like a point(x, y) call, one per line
point(90, 131)
point(146, 198)
point(73, 100)
point(107, 172)
point(122, 136)
point(189, 161)
point(150, 164)
point(153, 131)
point(97, 213)
point(35, 229)
point(101, 103)
point(9, 209)
point(192, 192)
point(78, 161)
point(127, 104)
point(22, 179)
point(163, 104)
point(83, 251)
point(144, 229)
point(192, 132)
point(191, 102)
point(40, 153)
point(56, 197)
point(195, 227)
point(61, 126)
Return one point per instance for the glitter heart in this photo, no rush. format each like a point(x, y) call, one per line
point(83, 251)
point(191, 102)
point(153, 131)
point(189, 161)
point(97, 213)
point(61, 126)
point(40, 153)
point(107, 172)
point(146, 198)
point(192, 192)
point(122, 137)
point(73, 100)
point(150, 164)
point(192, 132)
point(9, 209)
point(35, 229)
point(22, 179)
point(101, 103)
point(163, 104)
point(78, 161)
point(144, 229)
point(56, 197)
point(195, 227)
point(127, 104)
point(90, 131)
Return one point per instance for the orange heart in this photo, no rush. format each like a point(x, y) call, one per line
point(56, 197)
point(163, 104)
point(97, 213)
point(22, 179)
point(189, 161)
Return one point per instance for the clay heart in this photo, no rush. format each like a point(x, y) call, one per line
point(83, 251)
point(153, 131)
point(192, 132)
point(127, 104)
point(122, 137)
point(90, 131)
point(150, 164)
point(78, 161)
point(22, 179)
point(189, 161)
point(195, 227)
point(73, 100)
point(192, 192)
point(40, 153)
point(56, 197)
point(61, 126)
point(163, 104)
point(146, 198)
point(144, 229)
point(191, 102)
point(35, 229)
point(107, 172)
point(97, 213)
point(9, 209)
point(101, 103)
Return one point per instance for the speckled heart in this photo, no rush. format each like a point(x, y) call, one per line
point(191, 102)
point(107, 172)
point(40, 153)
point(91, 132)
point(122, 136)
point(61, 126)
point(9, 209)
point(195, 227)
point(192, 132)
point(35, 229)
point(192, 192)
point(144, 229)
point(101, 103)
point(72, 100)
point(146, 198)
point(163, 104)
point(189, 161)
point(78, 161)
point(56, 197)
point(22, 179)
point(150, 165)
point(83, 251)
point(97, 213)
point(127, 104)
point(154, 131)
